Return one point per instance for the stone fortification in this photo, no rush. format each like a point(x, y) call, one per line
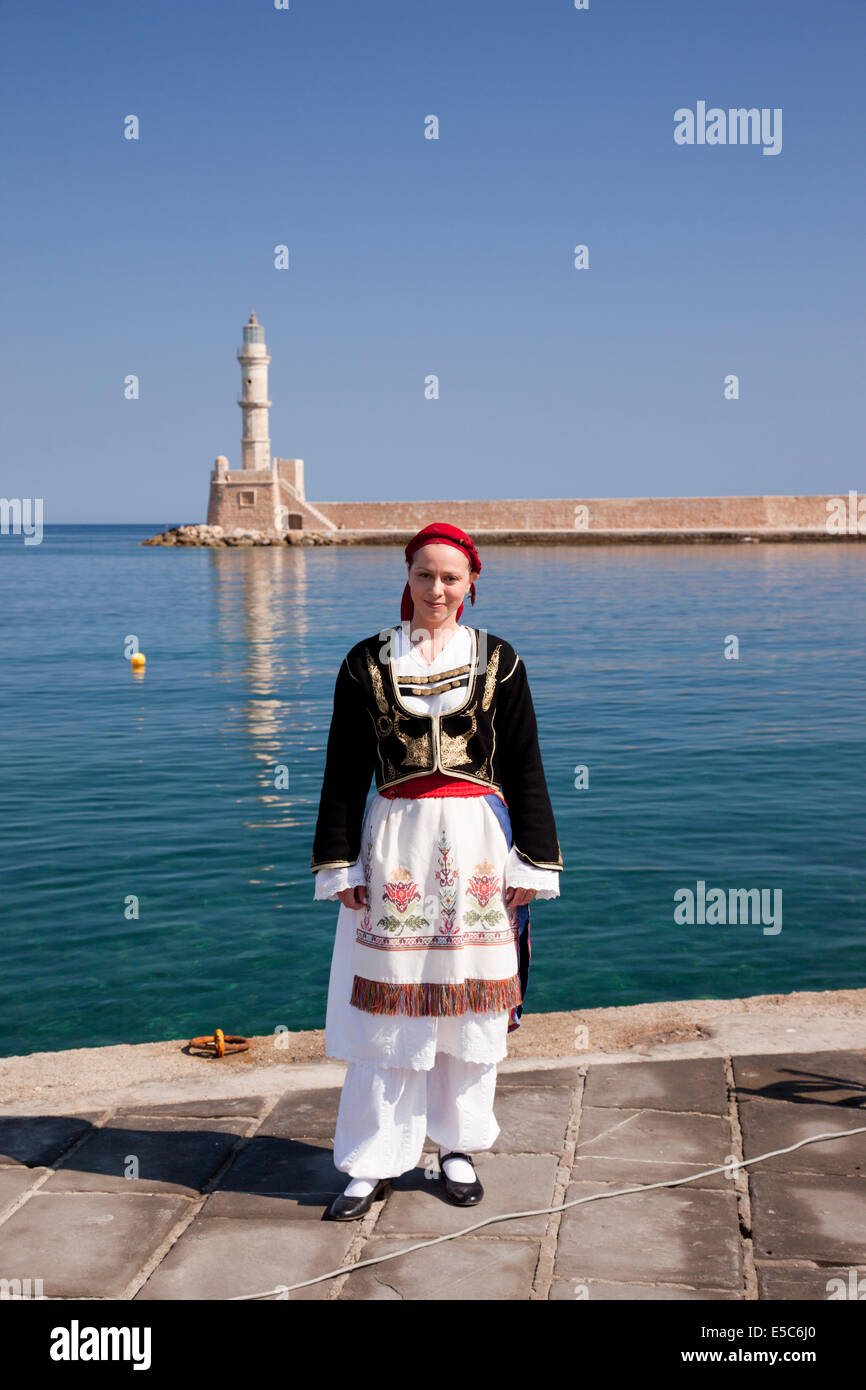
point(588, 514)
point(515, 521)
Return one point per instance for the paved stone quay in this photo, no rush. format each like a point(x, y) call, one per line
point(230, 1194)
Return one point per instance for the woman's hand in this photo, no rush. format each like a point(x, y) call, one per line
point(354, 897)
point(516, 897)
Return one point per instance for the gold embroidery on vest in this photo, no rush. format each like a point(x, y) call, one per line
point(453, 747)
point(490, 679)
point(418, 751)
point(376, 678)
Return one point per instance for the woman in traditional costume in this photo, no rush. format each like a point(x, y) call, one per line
point(434, 877)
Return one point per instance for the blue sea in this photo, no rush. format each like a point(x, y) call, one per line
point(157, 795)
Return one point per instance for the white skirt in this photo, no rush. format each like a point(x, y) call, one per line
point(408, 831)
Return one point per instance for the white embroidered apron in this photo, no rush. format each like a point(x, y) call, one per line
point(435, 937)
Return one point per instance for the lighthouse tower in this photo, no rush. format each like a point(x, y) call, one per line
point(264, 494)
point(253, 400)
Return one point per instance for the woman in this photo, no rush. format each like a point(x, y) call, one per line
point(431, 954)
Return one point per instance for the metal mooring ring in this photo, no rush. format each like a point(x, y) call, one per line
point(220, 1044)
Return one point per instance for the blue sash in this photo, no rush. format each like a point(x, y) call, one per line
point(524, 952)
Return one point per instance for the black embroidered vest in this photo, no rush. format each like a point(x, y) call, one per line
point(491, 738)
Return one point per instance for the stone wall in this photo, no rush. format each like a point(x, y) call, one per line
point(601, 513)
point(252, 500)
point(229, 504)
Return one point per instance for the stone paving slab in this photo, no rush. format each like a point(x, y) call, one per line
point(512, 1182)
point(86, 1244)
point(602, 1291)
point(644, 1146)
point(35, 1139)
point(679, 1235)
point(464, 1270)
point(696, 1083)
point(531, 1121)
point(777, 1124)
point(802, 1217)
point(304, 1115)
point(174, 1154)
point(224, 1258)
point(280, 1179)
point(15, 1181)
point(834, 1078)
point(544, 1077)
point(213, 1109)
point(811, 1283)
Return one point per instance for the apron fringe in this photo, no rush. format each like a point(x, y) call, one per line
point(441, 1000)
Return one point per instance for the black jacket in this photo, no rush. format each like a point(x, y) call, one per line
point(491, 739)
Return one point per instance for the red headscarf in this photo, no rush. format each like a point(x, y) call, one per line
point(440, 533)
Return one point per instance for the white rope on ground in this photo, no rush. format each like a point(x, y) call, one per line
point(543, 1211)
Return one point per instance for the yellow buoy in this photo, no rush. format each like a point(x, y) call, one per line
point(138, 660)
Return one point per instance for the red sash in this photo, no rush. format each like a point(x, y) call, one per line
point(440, 784)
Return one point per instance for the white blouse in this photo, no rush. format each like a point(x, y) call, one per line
point(456, 652)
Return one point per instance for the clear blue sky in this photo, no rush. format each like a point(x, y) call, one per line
point(411, 256)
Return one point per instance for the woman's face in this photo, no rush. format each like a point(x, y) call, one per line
point(439, 579)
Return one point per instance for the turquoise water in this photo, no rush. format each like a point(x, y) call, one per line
point(741, 773)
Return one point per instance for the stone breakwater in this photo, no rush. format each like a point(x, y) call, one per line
point(238, 535)
point(218, 536)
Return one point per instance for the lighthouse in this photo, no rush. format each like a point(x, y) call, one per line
point(253, 400)
point(264, 495)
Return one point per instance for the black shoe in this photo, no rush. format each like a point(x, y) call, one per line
point(352, 1208)
point(462, 1194)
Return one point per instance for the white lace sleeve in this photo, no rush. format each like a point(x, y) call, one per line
point(519, 874)
point(330, 882)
